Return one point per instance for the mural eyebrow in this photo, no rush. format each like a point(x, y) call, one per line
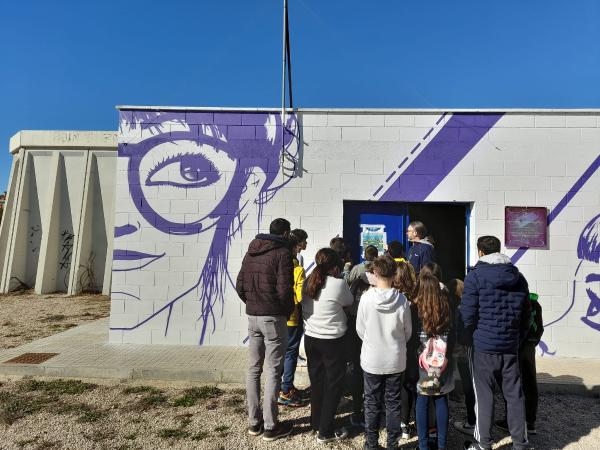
point(592, 277)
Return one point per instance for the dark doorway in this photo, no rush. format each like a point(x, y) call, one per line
point(447, 224)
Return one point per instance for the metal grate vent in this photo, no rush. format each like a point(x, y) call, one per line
point(31, 358)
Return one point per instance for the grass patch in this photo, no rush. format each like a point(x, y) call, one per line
point(91, 415)
point(87, 413)
point(192, 395)
point(239, 410)
point(233, 402)
point(98, 436)
point(47, 444)
point(200, 436)
point(141, 390)
point(54, 318)
point(14, 407)
point(57, 387)
point(184, 420)
point(173, 433)
point(150, 401)
point(25, 442)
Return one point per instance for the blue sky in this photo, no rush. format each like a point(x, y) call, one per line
point(66, 64)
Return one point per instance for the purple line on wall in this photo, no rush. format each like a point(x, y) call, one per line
point(440, 119)
point(402, 163)
point(390, 177)
point(440, 156)
point(563, 202)
point(378, 189)
point(428, 133)
point(415, 149)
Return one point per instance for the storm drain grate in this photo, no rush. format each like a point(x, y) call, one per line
point(31, 358)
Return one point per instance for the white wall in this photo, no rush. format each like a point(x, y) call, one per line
point(515, 159)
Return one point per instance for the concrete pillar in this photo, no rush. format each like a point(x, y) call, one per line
point(8, 217)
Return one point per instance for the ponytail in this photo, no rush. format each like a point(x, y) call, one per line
point(326, 260)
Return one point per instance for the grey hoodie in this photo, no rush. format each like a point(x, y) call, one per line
point(384, 325)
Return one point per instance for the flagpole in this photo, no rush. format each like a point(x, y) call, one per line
point(283, 66)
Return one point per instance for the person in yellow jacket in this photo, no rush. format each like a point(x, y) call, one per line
point(289, 395)
point(395, 249)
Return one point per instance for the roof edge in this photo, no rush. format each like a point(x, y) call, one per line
point(358, 110)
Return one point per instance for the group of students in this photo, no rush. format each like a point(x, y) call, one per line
point(395, 329)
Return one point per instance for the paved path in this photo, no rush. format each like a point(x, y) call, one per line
point(83, 352)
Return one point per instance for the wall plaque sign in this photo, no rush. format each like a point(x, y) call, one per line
point(525, 227)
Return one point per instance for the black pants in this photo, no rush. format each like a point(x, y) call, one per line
point(491, 370)
point(529, 378)
point(353, 346)
point(462, 362)
point(408, 402)
point(380, 388)
point(326, 370)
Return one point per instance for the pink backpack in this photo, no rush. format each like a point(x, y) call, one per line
point(433, 361)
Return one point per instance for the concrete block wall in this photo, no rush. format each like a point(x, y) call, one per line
point(53, 204)
point(195, 186)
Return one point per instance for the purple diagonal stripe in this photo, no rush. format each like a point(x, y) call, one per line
point(452, 143)
point(563, 202)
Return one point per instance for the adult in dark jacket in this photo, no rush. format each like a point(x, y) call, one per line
point(421, 251)
point(495, 311)
point(265, 284)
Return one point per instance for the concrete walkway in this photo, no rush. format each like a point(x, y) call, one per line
point(83, 352)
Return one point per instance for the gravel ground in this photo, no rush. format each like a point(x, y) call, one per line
point(26, 317)
point(43, 414)
point(71, 414)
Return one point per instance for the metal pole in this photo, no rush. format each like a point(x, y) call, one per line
point(283, 61)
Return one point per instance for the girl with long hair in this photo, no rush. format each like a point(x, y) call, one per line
point(324, 297)
point(435, 333)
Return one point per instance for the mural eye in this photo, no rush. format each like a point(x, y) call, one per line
point(184, 171)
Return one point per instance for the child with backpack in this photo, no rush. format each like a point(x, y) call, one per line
point(384, 325)
point(435, 331)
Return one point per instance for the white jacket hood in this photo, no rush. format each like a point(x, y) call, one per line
point(385, 299)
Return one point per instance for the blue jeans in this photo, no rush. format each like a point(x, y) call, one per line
point(441, 411)
point(291, 357)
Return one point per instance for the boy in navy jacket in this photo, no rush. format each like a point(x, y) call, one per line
point(495, 311)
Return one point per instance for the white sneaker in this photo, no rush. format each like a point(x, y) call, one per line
point(405, 431)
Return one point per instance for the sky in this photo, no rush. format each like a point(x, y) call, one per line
point(65, 65)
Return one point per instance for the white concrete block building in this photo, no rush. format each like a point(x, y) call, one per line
point(193, 187)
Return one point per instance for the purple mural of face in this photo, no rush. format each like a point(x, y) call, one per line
point(587, 275)
point(193, 180)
